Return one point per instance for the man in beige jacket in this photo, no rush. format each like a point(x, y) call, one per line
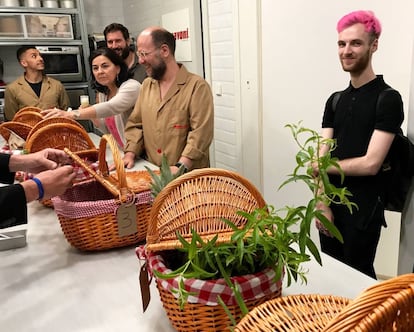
point(33, 88)
point(174, 112)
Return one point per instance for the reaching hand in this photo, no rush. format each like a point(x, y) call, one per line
point(55, 113)
point(329, 215)
point(39, 161)
point(129, 159)
point(48, 159)
point(55, 182)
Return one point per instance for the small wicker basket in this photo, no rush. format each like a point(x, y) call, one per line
point(28, 117)
point(28, 109)
point(20, 129)
point(59, 136)
point(49, 121)
point(200, 200)
point(87, 211)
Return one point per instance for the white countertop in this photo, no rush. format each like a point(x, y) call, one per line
point(49, 286)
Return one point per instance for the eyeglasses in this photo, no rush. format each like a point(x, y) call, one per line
point(143, 54)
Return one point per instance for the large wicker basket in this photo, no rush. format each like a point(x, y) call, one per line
point(87, 211)
point(385, 306)
point(294, 313)
point(200, 200)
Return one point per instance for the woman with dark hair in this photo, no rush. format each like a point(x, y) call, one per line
point(115, 98)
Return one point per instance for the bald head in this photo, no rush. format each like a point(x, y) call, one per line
point(158, 36)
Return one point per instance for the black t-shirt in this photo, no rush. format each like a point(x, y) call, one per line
point(354, 119)
point(37, 87)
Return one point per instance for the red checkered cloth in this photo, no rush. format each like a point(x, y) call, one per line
point(77, 206)
point(81, 173)
point(252, 286)
point(6, 149)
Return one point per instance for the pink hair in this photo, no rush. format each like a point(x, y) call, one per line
point(366, 17)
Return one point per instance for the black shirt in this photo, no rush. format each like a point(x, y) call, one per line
point(354, 119)
point(12, 198)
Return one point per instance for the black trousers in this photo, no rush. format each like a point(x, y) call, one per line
point(360, 238)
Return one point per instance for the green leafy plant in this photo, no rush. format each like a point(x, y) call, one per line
point(165, 176)
point(271, 238)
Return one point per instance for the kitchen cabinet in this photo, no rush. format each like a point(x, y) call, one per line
point(15, 22)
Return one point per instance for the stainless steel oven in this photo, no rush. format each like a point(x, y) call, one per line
point(63, 62)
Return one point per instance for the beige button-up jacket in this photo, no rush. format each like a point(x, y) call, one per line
point(180, 125)
point(19, 94)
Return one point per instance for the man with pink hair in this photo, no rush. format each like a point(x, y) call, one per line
point(364, 129)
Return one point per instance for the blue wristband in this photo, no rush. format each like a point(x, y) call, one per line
point(39, 187)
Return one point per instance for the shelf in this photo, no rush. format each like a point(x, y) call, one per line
point(37, 10)
point(39, 42)
point(38, 26)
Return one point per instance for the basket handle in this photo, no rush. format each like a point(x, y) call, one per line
point(122, 188)
point(119, 164)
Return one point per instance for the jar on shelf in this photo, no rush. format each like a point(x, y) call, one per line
point(32, 3)
point(67, 4)
point(9, 3)
point(50, 4)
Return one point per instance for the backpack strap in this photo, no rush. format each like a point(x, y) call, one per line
point(335, 100)
point(382, 94)
point(380, 97)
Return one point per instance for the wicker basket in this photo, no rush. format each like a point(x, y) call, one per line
point(87, 211)
point(294, 313)
point(28, 117)
point(200, 200)
point(49, 121)
point(59, 136)
point(385, 306)
point(20, 129)
point(28, 109)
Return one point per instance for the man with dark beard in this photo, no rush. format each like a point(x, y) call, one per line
point(173, 115)
point(117, 38)
point(364, 129)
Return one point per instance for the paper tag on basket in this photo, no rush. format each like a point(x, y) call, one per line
point(126, 215)
point(145, 286)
